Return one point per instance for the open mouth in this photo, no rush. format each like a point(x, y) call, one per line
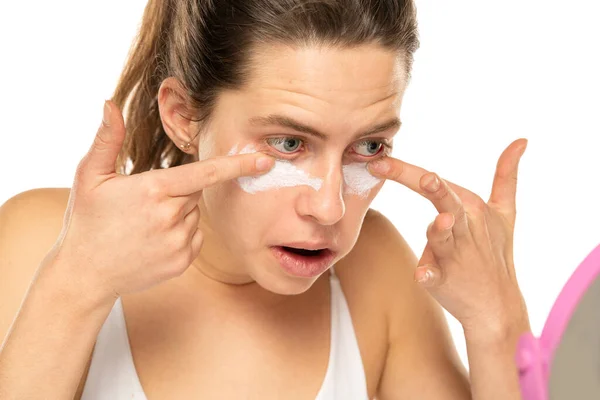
point(304, 252)
point(303, 262)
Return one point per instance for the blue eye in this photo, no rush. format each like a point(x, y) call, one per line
point(371, 146)
point(286, 144)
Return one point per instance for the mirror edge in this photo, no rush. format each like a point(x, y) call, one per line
point(533, 355)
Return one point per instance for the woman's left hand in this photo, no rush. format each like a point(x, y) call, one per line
point(467, 264)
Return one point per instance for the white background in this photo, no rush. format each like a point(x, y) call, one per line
point(486, 74)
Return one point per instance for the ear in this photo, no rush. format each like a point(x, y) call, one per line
point(175, 115)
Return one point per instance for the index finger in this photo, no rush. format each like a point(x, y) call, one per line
point(187, 179)
point(410, 175)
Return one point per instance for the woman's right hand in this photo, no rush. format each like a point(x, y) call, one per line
point(123, 234)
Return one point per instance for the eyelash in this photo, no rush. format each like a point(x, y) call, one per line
point(385, 148)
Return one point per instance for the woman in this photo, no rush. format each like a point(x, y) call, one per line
point(218, 243)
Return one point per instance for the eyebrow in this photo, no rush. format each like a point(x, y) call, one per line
point(288, 122)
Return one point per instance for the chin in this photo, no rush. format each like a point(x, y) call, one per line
point(287, 287)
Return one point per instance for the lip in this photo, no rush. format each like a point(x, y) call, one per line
point(303, 266)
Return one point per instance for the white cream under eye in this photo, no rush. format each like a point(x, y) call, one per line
point(283, 174)
point(357, 178)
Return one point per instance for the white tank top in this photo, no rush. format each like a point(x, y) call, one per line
point(112, 374)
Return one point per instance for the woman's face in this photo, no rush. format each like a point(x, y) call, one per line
point(308, 108)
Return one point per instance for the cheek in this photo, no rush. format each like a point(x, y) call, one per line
point(217, 201)
point(236, 217)
point(359, 180)
point(206, 147)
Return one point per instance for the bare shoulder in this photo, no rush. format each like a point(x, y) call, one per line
point(378, 280)
point(380, 258)
point(30, 223)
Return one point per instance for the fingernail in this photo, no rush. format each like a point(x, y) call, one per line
point(381, 166)
point(425, 277)
point(263, 163)
point(106, 113)
point(522, 150)
point(433, 184)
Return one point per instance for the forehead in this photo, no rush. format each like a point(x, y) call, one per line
point(340, 93)
point(356, 77)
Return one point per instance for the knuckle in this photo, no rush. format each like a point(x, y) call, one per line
point(169, 215)
point(182, 263)
point(100, 140)
point(153, 188)
point(211, 173)
point(480, 206)
point(199, 236)
point(460, 215)
point(195, 214)
point(396, 170)
point(475, 217)
point(180, 240)
point(242, 168)
point(447, 238)
point(477, 211)
point(190, 255)
point(196, 242)
point(442, 193)
point(195, 245)
point(460, 209)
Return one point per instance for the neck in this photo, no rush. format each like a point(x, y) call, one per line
point(221, 275)
point(218, 286)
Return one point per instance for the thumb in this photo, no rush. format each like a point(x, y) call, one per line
point(102, 156)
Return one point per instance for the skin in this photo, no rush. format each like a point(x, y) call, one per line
point(467, 266)
point(239, 226)
point(486, 300)
point(232, 310)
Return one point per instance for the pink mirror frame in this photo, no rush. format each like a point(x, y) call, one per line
point(534, 355)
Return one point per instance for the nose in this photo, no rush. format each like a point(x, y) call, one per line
point(326, 205)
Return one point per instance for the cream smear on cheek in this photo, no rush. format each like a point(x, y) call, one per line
point(357, 177)
point(359, 180)
point(283, 174)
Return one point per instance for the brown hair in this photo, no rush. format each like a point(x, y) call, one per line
point(206, 45)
